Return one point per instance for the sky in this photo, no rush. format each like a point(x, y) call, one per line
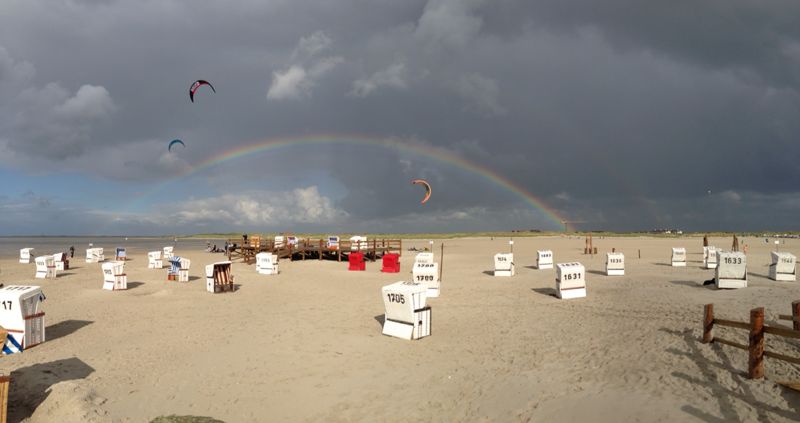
point(617, 114)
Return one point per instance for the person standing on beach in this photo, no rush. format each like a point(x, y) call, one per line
point(71, 251)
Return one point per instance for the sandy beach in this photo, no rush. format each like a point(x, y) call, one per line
point(306, 345)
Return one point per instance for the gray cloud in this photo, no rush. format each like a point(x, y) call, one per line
point(480, 94)
point(394, 76)
point(299, 79)
point(259, 209)
point(449, 24)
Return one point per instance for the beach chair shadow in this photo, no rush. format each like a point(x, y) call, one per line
point(597, 272)
point(134, 285)
point(29, 385)
point(488, 272)
point(550, 292)
point(693, 284)
point(64, 328)
point(193, 278)
point(381, 318)
point(663, 264)
point(61, 274)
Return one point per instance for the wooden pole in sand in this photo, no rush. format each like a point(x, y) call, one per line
point(708, 324)
point(441, 263)
point(5, 381)
point(796, 315)
point(755, 368)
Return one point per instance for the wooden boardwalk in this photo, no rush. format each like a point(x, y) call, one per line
point(307, 248)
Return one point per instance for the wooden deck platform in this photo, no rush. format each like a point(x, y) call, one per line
point(307, 248)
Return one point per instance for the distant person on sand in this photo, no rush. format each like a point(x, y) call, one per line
point(244, 237)
point(71, 251)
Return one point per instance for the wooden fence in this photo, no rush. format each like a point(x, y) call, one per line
point(757, 343)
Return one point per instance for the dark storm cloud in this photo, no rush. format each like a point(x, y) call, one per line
point(757, 37)
point(620, 113)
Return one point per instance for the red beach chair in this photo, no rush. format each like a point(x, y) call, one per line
point(356, 261)
point(391, 263)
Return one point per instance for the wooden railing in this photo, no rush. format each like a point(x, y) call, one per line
point(314, 247)
point(756, 346)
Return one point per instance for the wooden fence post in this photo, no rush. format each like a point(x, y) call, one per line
point(708, 324)
point(756, 362)
point(5, 382)
point(441, 263)
point(796, 315)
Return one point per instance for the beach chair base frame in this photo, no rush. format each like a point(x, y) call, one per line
point(410, 331)
point(216, 288)
point(50, 273)
point(782, 277)
point(19, 340)
point(505, 273)
point(120, 283)
point(568, 294)
point(731, 283)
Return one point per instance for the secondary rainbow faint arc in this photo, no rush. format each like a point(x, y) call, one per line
point(425, 151)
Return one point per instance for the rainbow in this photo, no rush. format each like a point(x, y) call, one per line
point(415, 148)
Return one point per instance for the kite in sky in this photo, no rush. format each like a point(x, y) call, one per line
point(196, 85)
point(427, 188)
point(173, 142)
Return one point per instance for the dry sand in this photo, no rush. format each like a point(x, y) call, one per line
point(306, 345)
